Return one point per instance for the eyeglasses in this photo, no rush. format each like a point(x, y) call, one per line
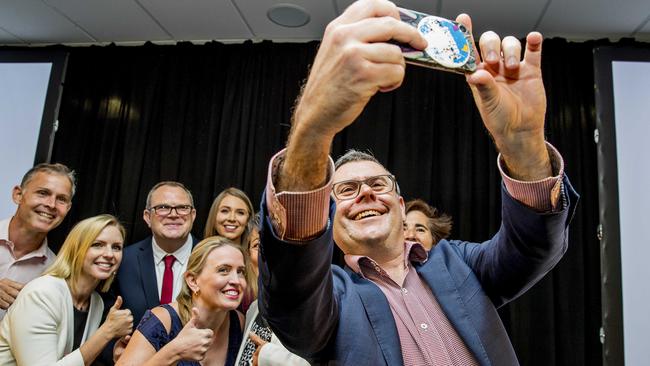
point(166, 210)
point(350, 189)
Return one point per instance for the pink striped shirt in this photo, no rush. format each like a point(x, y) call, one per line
point(426, 335)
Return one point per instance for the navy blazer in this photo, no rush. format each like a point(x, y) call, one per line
point(329, 315)
point(136, 279)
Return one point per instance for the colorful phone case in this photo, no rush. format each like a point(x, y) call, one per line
point(450, 44)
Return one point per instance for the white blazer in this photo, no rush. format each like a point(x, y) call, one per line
point(38, 328)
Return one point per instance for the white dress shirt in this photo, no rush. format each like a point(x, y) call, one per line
point(182, 254)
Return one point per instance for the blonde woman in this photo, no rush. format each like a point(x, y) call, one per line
point(229, 215)
point(202, 324)
point(55, 318)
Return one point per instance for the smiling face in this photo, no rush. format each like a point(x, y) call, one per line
point(221, 282)
point(43, 202)
point(104, 255)
point(416, 228)
point(172, 227)
point(371, 223)
point(232, 217)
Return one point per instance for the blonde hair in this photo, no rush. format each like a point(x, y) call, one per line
point(69, 262)
point(210, 229)
point(195, 265)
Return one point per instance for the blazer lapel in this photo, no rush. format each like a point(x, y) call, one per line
point(436, 274)
point(380, 317)
point(148, 275)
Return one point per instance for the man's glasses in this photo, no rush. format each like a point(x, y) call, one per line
point(166, 210)
point(350, 189)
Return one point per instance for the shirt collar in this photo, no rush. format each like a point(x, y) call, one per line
point(413, 252)
point(181, 254)
point(41, 251)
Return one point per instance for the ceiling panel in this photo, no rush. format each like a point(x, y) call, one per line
point(486, 15)
point(8, 38)
point(505, 17)
point(645, 31)
point(321, 12)
point(199, 19)
point(35, 22)
point(114, 20)
point(595, 18)
point(429, 7)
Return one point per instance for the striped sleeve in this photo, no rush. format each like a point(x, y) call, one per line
point(541, 195)
point(297, 216)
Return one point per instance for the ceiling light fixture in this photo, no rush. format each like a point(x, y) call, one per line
point(288, 15)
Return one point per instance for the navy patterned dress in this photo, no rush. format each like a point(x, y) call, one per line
point(152, 329)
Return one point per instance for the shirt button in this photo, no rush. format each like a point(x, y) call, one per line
point(424, 326)
point(405, 291)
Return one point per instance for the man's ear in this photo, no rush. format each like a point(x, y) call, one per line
point(17, 194)
point(146, 215)
point(402, 207)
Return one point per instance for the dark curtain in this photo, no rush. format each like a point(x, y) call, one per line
point(211, 116)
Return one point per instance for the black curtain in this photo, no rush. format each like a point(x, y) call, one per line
point(211, 116)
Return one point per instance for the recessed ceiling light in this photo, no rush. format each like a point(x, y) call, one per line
point(288, 15)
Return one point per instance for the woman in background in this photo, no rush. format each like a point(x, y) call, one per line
point(202, 324)
point(229, 215)
point(425, 224)
point(55, 319)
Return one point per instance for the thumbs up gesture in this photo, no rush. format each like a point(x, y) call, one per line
point(119, 322)
point(193, 341)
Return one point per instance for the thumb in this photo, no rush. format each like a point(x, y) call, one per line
point(194, 318)
point(484, 87)
point(118, 303)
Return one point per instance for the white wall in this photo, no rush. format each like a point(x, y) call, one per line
point(23, 87)
point(631, 82)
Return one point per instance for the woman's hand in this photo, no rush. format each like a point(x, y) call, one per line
point(119, 322)
point(193, 342)
point(259, 342)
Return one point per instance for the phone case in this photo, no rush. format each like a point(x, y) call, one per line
point(450, 44)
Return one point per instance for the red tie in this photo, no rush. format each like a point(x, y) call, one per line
point(168, 280)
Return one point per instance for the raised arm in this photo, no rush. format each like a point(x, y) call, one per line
point(510, 97)
point(353, 63)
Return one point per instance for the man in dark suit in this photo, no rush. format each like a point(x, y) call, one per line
point(151, 272)
point(396, 304)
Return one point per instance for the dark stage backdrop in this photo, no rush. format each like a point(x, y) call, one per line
point(211, 116)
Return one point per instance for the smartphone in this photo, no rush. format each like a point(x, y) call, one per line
point(450, 44)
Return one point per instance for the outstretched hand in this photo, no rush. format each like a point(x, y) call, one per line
point(509, 93)
point(354, 62)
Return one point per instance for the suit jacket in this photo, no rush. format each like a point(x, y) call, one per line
point(136, 279)
point(39, 327)
point(330, 315)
